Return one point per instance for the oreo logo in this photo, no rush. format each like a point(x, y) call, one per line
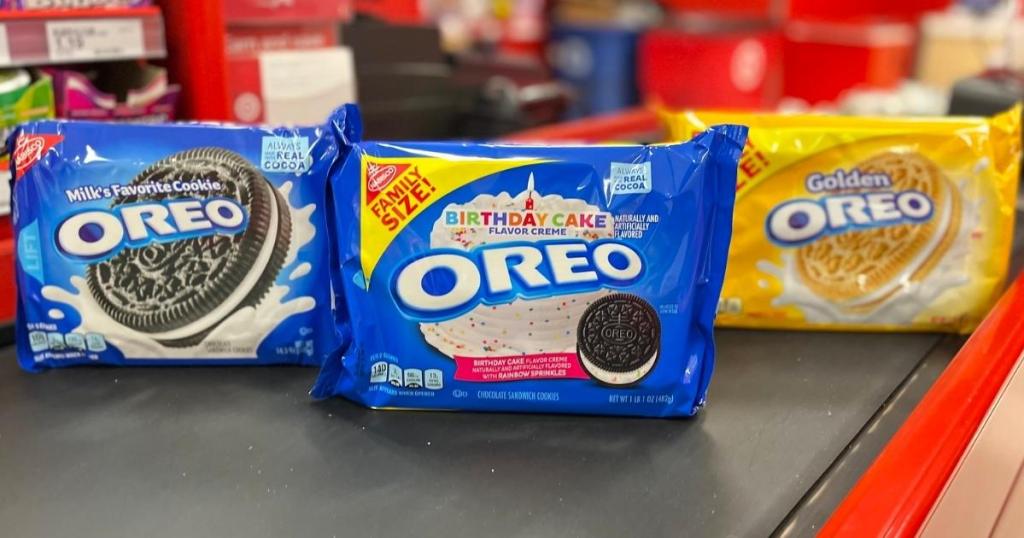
point(797, 222)
point(446, 283)
point(98, 234)
point(619, 333)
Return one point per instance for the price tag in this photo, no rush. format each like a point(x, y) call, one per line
point(94, 39)
point(5, 51)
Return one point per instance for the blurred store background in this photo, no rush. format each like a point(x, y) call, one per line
point(492, 68)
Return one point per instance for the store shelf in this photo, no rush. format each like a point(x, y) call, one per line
point(74, 36)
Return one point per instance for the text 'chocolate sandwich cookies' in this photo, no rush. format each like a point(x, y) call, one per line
point(521, 278)
point(180, 244)
point(868, 223)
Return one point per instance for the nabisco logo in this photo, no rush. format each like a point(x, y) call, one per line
point(29, 149)
point(379, 176)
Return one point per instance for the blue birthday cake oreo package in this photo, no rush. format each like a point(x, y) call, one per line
point(173, 244)
point(539, 279)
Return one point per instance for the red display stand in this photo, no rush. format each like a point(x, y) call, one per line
point(213, 46)
point(196, 57)
point(738, 68)
point(7, 287)
point(873, 55)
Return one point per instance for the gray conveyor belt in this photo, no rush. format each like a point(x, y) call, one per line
point(792, 420)
point(243, 452)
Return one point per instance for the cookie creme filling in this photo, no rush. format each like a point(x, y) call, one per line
point(617, 378)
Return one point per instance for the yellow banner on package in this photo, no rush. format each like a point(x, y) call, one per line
point(846, 223)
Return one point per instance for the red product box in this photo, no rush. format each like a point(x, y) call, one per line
point(729, 69)
point(284, 11)
point(823, 59)
point(248, 41)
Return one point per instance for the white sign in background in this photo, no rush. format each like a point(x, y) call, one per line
point(5, 50)
point(304, 86)
point(94, 39)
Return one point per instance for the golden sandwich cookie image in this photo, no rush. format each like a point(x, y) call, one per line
point(859, 270)
point(847, 223)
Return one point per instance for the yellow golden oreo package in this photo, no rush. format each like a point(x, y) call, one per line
point(867, 223)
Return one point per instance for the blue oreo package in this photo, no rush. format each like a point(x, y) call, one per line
point(531, 279)
point(173, 244)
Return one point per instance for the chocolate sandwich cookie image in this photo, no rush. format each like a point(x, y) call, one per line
point(177, 289)
point(619, 339)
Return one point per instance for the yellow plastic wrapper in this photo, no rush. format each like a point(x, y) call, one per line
point(847, 223)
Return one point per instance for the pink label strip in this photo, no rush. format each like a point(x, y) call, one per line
point(518, 368)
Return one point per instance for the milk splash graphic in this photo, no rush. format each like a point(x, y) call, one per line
point(248, 324)
point(910, 297)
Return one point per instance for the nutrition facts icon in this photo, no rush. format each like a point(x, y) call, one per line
point(37, 341)
point(75, 341)
point(56, 341)
point(379, 372)
point(394, 375)
point(410, 378)
point(413, 378)
point(730, 305)
point(95, 342)
point(432, 379)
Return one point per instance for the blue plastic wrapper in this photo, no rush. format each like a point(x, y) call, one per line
point(174, 244)
point(531, 279)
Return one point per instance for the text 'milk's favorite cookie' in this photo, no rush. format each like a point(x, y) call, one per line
point(173, 244)
point(531, 278)
point(845, 223)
